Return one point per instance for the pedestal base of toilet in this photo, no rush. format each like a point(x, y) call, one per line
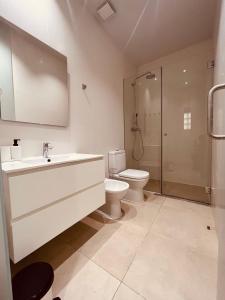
point(135, 195)
point(112, 209)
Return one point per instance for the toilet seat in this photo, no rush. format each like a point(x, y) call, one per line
point(115, 186)
point(134, 174)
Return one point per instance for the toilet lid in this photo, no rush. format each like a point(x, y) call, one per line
point(135, 174)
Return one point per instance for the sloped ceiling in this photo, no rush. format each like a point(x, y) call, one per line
point(166, 25)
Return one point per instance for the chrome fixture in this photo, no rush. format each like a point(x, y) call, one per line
point(150, 76)
point(46, 147)
point(84, 86)
point(210, 111)
point(211, 64)
point(147, 75)
point(136, 129)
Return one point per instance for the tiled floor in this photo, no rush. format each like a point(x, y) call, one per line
point(160, 250)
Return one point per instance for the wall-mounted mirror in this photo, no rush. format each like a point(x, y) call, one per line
point(33, 79)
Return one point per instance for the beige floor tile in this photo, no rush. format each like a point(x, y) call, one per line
point(99, 239)
point(187, 226)
point(125, 293)
point(67, 271)
point(154, 198)
point(79, 278)
point(165, 269)
point(96, 221)
point(142, 214)
point(78, 235)
point(203, 211)
point(162, 244)
point(117, 251)
point(122, 238)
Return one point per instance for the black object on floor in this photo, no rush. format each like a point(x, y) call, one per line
point(33, 282)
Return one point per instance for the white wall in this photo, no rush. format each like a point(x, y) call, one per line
point(204, 48)
point(96, 115)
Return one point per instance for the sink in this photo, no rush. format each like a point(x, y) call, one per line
point(38, 160)
point(42, 160)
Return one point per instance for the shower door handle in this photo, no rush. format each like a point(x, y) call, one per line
point(210, 111)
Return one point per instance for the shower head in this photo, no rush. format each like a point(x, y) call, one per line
point(148, 75)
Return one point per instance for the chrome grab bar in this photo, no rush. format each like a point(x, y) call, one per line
point(210, 111)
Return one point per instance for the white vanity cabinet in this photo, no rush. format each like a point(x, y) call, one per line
point(44, 200)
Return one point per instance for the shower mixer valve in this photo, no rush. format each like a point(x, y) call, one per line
point(134, 129)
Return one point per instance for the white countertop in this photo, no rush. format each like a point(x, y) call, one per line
point(30, 163)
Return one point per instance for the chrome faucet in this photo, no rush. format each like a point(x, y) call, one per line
point(46, 148)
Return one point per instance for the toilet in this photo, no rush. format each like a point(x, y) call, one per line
point(136, 179)
point(115, 192)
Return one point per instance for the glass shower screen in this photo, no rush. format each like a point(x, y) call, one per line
point(165, 113)
point(186, 156)
point(142, 111)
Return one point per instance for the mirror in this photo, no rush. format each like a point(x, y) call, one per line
point(33, 79)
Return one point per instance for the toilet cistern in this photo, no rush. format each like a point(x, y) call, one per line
point(46, 147)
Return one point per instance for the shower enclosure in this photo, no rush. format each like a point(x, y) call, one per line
point(165, 112)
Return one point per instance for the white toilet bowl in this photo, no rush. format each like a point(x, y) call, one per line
point(115, 192)
point(137, 180)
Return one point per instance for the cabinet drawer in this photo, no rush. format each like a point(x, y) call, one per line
point(32, 190)
point(34, 230)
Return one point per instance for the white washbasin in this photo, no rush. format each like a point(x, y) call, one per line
point(39, 161)
point(42, 160)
